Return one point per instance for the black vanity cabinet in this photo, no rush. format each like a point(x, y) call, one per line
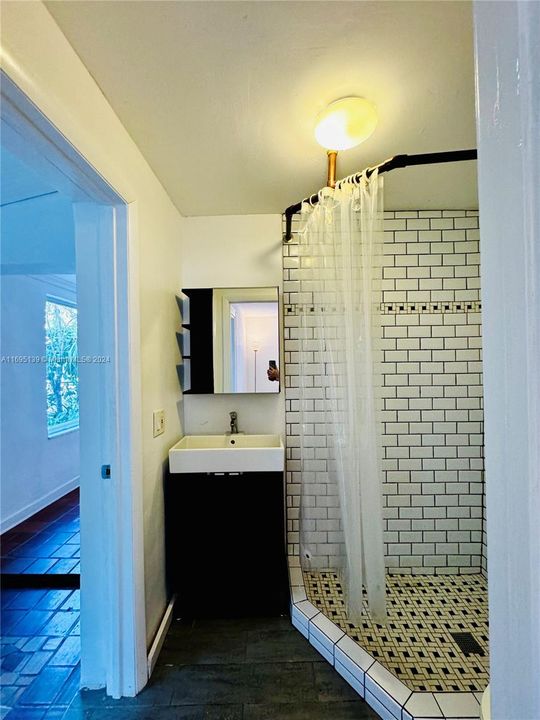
point(226, 543)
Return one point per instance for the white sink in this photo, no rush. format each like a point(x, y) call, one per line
point(227, 453)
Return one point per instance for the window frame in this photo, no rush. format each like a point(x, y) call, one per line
point(70, 425)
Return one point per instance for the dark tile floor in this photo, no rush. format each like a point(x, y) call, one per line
point(40, 650)
point(46, 543)
point(248, 669)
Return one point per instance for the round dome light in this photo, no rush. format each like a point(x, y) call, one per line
point(345, 123)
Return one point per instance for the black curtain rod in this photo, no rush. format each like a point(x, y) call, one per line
point(398, 161)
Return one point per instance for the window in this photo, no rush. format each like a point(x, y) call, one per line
point(62, 383)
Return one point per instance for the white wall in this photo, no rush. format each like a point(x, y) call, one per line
point(38, 57)
point(508, 122)
point(255, 365)
point(36, 469)
point(233, 251)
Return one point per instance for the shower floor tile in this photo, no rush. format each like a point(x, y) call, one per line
point(416, 644)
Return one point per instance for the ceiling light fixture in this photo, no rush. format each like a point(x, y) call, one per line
point(344, 124)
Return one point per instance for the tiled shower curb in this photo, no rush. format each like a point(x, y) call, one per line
point(387, 695)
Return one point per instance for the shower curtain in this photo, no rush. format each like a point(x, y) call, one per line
point(340, 267)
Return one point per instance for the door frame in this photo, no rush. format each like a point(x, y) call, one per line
point(112, 542)
point(507, 56)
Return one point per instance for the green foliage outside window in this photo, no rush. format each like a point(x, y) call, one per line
point(62, 383)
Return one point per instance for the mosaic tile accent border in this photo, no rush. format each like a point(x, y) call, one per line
point(416, 644)
point(449, 306)
point(444, 306)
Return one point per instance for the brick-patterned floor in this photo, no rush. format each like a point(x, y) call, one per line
point(40, 643)
point(40, 650)
point(46, 543)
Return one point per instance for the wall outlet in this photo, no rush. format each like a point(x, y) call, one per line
point(159, 422)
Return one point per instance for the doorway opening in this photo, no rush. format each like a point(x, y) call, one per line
point(40, 563)
point(78, 440)
point(39, 517)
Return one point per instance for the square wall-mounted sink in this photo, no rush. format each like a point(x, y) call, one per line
point(238, 452)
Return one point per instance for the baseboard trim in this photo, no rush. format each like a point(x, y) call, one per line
point(160, 635)
point(21, 515)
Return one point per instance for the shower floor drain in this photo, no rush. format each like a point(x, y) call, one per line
point(467, 644)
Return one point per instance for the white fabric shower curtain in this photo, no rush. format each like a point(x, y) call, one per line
point(340, 267)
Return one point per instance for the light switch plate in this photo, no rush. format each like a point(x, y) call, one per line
point(159, 422)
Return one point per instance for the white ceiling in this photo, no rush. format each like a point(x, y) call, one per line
point(18, 182)
point(38, 235)
point(221, 96)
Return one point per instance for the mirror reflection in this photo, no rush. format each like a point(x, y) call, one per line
point(234, 340)
point(246, 340)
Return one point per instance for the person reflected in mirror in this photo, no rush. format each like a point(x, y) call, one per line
point(273, 371)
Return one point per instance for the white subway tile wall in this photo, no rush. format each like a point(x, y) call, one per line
point(433, 443)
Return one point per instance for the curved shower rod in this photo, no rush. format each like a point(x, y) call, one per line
point(393, 163)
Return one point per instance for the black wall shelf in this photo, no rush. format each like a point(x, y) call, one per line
point(196, 375)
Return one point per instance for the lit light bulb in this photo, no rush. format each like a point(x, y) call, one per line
point(345, 123)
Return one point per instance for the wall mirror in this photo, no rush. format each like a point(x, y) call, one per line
point(230, 340)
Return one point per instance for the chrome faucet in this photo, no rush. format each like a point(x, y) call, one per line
point(234, 422)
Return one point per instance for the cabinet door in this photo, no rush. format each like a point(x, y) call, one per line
point(226, 550)
point(263, 513)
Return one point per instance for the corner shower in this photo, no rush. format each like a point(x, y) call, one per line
point(384, 427)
